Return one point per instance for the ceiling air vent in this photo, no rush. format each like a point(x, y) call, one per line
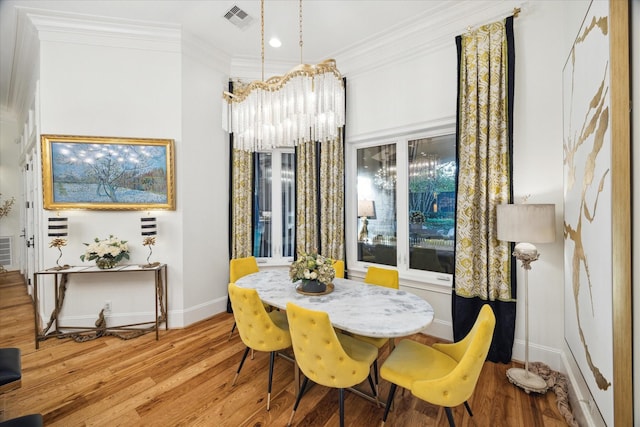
point(238, 17)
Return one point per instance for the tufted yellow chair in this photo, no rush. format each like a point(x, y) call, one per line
point(325, 357)
point(444, 374)
point(381, 277)
point(258, 329)
point(338, 266)
point(240, 267)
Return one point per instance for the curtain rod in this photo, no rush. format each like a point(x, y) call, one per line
point(516, 13)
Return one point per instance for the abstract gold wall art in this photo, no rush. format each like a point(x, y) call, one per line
point(595, 180)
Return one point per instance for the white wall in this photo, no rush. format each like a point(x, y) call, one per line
point(10, 185)
point(104, 85)
point(204, 187)
point(112, 86)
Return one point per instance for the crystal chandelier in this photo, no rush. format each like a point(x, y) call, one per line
point(426, 167)
point(306, 104)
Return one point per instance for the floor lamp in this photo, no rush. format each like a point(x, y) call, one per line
point(366, 211)
point(526, 224)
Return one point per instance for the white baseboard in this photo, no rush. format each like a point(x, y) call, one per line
point(177, 318)
point(439, 329)
point(197, 313)
point(582, 404)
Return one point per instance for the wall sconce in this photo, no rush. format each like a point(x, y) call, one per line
point(148, 231)
point(58, 229)
point(366, 211)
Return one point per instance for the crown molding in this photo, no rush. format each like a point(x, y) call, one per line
point(431, 31)
point(104, 31)
point(25, 70)
point(203, 52)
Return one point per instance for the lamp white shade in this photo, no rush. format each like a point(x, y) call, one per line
point(366, 208)
point(531, 223)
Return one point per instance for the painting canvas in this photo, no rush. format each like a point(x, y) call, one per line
point(593, 183)
point(107, 173)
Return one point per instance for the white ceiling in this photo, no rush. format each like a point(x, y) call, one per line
point(329, 26)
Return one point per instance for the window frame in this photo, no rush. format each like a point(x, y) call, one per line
point(277, 243)
point(412, 277)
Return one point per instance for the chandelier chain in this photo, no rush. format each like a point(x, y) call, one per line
point(300, 18)
point(262, 35)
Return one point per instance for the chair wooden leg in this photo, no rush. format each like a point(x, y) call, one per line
point(466, 405)
point(295, 406)
point(244, 356)
point(342, 407)
point(392, 391)
point(232, 329)
point(272, 358)
point(450, 417)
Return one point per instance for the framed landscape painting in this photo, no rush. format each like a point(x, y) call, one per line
point(103, 173)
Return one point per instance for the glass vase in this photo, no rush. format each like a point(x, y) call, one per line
point(106, 263)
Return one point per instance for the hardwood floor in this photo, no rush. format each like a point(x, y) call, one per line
point(184, 379)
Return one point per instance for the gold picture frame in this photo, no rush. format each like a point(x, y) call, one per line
point(107, 173)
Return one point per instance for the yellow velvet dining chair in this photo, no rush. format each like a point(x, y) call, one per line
point(443, 374)
point(259, 330)
point(327, 357)
point(381, 277)
point(338, 266)
point(238, 268)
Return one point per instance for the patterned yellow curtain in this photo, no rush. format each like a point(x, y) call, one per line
point(320, 198)
point(241, 197)
point(306, 198)
point(332, 199)
point(483, 265)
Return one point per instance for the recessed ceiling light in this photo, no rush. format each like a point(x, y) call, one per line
point(275, 42)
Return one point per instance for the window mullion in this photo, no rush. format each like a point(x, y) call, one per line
point(276, 207)
point(402, 203)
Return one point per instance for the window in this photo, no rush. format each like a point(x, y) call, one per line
point(274, 206)
point(432, 172)
point(377, 204)
point(406, 204)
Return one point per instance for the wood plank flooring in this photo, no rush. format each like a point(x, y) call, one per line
point(184, 379)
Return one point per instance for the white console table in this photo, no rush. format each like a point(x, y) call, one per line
point(60, 280)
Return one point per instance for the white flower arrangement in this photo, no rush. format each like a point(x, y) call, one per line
point(112, 248)
point(312, 267)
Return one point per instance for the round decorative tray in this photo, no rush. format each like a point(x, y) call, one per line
point(316, 294)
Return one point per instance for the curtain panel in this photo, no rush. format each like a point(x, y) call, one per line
point(484, 268)
point(331, 205)
point(320, 198)
point(241, 235)
point(306, 197)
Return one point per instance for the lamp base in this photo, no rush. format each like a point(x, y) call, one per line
point(150, 265)
point(528, 381)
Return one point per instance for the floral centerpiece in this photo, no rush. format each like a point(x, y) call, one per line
point(107, 252)
point(313, 270)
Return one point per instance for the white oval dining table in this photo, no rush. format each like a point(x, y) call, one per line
point(356, 307)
